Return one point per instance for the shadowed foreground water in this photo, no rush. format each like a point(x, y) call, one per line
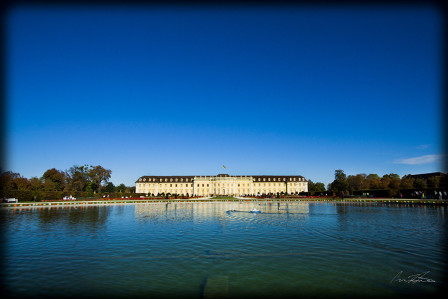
point(219, 249)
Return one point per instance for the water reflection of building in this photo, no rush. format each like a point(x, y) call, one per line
point(198, 209)
point(303, 207)
point(222, 184)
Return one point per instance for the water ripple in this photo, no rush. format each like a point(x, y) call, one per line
point(183, 249)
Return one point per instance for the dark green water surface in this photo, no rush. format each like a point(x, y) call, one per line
point(219, 249)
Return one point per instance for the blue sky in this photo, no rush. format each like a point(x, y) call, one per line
point(156, 90)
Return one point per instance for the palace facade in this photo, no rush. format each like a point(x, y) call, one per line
point(222, 184)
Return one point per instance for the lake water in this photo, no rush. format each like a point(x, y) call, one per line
point(219, 249)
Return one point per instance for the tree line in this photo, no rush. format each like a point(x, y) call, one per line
point(388, 185)
point(89, 181)
point(85, 181)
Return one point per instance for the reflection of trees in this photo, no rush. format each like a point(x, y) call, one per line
point(74, 218)
point(341, 208)
point(342, 215)
point(345, 212)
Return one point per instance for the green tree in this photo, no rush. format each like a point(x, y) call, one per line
point(22, 183)
point(110, 187)
point(315, 187)
point(79, 177)
point(407, 182)
point(374, 181)
point(89, 189)
point(54, 180)
point(419, 184)
point(433, 182)
point(121, 188)
point(35, 184)
point(394, 182)
point(99, 175)
point(384, 182)
point(391, 182)
point(49, 185)
point(319, 187)
point(7, 180)
point(339, 184)
point(311, 186)
point(355, 182)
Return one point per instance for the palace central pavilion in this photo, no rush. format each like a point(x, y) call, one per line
point(222, 184)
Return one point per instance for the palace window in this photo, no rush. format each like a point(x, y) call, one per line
point(171, 185)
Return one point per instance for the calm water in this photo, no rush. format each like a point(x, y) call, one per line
point(201, 250)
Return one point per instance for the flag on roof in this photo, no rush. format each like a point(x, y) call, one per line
point(223, 167)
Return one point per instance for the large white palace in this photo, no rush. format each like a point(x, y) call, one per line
point(222, 184)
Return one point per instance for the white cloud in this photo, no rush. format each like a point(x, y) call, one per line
point(419, 160)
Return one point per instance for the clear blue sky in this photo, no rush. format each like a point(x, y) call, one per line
point(262, 90)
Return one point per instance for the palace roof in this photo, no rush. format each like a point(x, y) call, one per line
point(259, 178)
